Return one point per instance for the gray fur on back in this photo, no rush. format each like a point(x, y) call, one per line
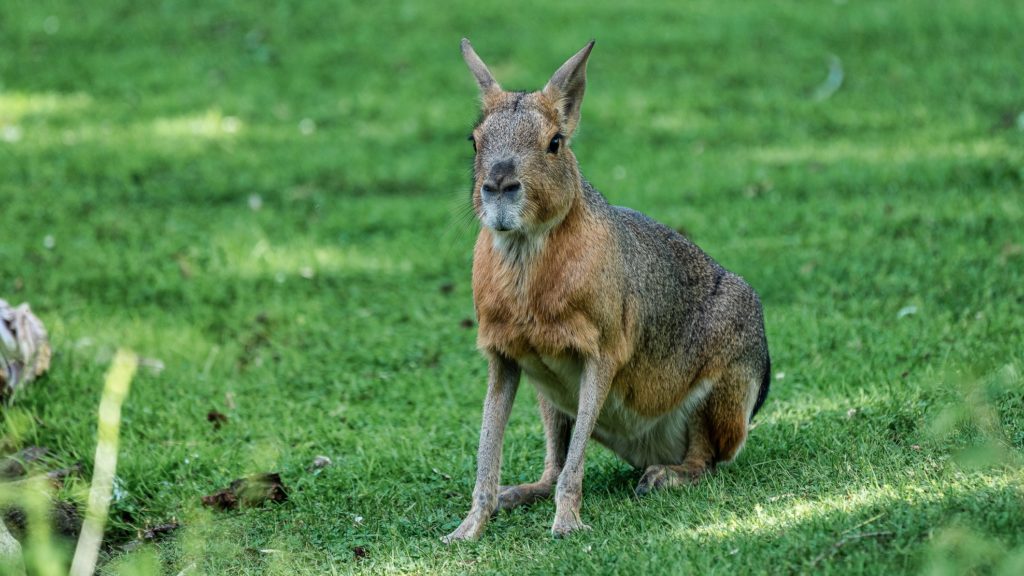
point(688, 304)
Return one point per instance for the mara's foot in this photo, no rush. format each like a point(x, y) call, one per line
point(470, 529)
point(566, 524)
point(522, 495)
point(662, 476)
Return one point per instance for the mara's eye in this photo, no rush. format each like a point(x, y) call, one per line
point(555, 143)
point(473, 140)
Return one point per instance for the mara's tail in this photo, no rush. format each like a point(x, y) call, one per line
point(766, 380)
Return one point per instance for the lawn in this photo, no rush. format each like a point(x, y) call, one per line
point(270, 199)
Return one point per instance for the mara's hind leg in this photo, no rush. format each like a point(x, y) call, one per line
point(699, 459)
point(557, 430)
point(715, 432)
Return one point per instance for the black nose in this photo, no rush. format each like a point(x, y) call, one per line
point(504, 188)
point(502, 178)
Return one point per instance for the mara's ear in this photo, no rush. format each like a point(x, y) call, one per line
point(567, 85)
point(488, 85)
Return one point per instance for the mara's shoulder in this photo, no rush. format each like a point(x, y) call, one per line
point(628, 214)
point(624, 218)
point(622, 214)
point(644, 225)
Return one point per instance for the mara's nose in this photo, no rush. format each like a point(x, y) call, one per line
point(502, 179)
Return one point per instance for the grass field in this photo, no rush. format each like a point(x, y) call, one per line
point(269, 199)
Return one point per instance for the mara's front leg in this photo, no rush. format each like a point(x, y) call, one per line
point(594, 386)
point(502, 382)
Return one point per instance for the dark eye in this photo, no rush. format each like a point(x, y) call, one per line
point(473, 140)
point(555, 143)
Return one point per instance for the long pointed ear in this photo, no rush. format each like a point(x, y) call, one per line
point(567, 86)
point(483, 76)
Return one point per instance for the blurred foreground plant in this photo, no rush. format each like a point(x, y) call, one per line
point(119, 380)
point(35, 504)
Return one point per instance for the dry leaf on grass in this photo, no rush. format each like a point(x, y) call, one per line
point(151, 534)
point(249, 492)
point(24, 348)
point(65, 520)
point(155, 532)
point(318, 463)
point(60, 474)
point(16, 465)
point(216, 418)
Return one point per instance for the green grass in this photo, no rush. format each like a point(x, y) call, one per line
point(136, 137)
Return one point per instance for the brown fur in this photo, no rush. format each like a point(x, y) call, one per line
point(552, 304)
point(631, 334)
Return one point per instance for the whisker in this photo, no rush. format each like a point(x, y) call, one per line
point(461, 220)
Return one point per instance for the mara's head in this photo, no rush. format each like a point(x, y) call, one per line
point(525, 177)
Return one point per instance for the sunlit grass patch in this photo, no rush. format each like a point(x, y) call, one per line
point(212, 124)
point(18, 106)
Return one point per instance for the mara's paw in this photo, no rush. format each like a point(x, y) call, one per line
point(522, 495)
point(511, 496)
point(470, 529)
point(654, 478)
point(661, 476)
point(566, 524)
point(459, 535)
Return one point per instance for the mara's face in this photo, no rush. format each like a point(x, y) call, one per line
point(524, 173)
